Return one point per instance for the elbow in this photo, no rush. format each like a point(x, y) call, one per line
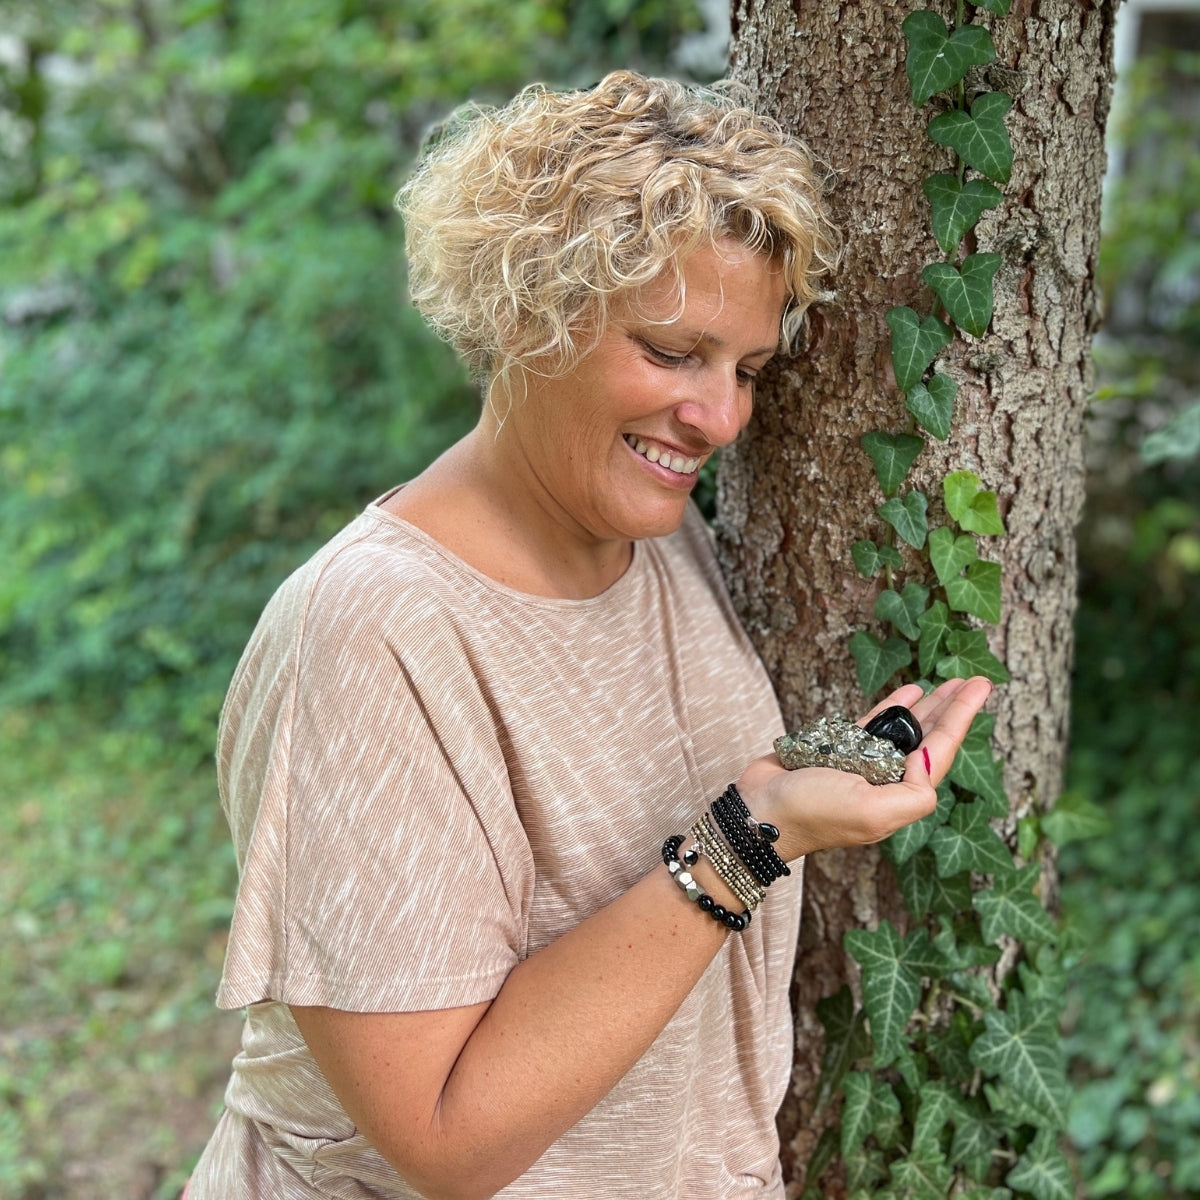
point(452, 1170)
point(451, 1184)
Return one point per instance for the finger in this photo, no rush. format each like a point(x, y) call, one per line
point(927, 708)
point(948, 727)
point(906, 696)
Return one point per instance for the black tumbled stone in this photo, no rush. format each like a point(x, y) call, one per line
point(899, 727)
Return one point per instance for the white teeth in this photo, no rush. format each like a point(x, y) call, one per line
point(664, 458)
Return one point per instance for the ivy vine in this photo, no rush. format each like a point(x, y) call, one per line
point(951, 1084)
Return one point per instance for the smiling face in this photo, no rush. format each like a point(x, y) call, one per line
point(610, 452)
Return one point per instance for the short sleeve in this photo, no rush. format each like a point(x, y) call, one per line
point(383, 867)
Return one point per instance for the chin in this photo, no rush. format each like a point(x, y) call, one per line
point(662, 523)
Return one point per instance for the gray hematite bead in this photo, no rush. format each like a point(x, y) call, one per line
point(838, 743)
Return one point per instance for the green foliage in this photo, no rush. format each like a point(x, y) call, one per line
point(1132, 897)
point(1150, 257)
point(209, 362)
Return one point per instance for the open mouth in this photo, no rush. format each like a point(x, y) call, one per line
point(665, 458)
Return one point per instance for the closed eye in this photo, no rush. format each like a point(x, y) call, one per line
point(662, 356)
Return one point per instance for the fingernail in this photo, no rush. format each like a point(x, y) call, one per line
point(925, 756)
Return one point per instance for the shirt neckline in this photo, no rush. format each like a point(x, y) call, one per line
point(615, 593)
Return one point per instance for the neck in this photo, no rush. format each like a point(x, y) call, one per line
point(544, 549)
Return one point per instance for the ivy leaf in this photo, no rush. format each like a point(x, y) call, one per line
point(1074, 818)
point(966, 292)
point(868, 557)
point(906, 515)
point(956, 207)
point(999, 7)
point(936, 1108)
point(948, 1048)
point(905, 842)
point(977, 592)
point(892, 455)
point(967, 842)
point(938, 59)
point(969, 655)
point(891, 982)
point(915, 343)
point(1009, 906)
point(973, 508)
point(963, 948)
point(949, 554)
point(1022, 1048)
point(925, 891)
point(864, 1169)
point(903, 609)
point(977, 1134)
point(923, 1176)
point(1046, 978)
point(1028, 832)
point(980, 138)
point(846, 1041)
point(933, 404)
point(877, 661)
point(976, 770)
point(869, 1101)
point(1042, 1170)
point(934, 623)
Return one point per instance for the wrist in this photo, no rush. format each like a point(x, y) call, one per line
point(764, 805)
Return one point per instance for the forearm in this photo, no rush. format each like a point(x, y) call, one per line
point(572, 1019)
point(568, 1023)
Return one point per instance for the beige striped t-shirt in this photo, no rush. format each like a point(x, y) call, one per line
point(429, 776)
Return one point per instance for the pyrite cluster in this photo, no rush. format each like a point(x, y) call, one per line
point(843, 745)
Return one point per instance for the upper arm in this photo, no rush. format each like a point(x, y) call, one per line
point(389, 1071)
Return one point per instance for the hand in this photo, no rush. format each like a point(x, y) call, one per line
point(818, 808)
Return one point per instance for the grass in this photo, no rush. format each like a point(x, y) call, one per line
point(115, 894)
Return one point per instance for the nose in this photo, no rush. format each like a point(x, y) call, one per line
point(718, 407)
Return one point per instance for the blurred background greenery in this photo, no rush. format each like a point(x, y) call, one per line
point(206, 367)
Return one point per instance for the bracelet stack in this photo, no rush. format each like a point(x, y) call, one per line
point(741, 854)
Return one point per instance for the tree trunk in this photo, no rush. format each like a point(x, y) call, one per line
point(798, 491)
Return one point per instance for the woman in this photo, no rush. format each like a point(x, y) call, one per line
point(461, 734)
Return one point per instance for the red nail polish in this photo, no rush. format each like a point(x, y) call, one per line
point(925, 756)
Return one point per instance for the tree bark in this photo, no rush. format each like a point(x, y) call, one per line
point(797, 490)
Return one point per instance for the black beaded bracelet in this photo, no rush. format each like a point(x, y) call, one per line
point(749, 839)
point(759, 858)
point(670, 849)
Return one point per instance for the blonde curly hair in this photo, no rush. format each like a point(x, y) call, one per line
point(524, 223)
